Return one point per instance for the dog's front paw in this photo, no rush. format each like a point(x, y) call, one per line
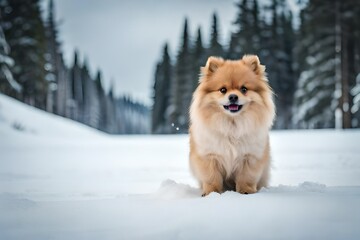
point(209, 188)
point(204, 194)
point(246, 189)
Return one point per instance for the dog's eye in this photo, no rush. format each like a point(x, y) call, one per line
point(243, 90)
point(223, 90)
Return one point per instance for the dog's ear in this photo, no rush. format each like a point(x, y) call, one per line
point(212, 64)
point(253, 62)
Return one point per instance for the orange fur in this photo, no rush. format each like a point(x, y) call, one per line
point(231, 150)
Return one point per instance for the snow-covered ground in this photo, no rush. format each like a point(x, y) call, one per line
point(63, 180)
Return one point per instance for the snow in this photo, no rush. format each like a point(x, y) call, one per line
point(33, 121)
point(63, 180)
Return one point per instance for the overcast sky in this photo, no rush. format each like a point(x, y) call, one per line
point(125, 38)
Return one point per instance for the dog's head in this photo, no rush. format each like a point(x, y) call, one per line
point(237, 91)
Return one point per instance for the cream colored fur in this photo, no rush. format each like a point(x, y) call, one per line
point(231, 150)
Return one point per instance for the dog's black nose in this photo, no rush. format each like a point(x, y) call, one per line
point(233, 98)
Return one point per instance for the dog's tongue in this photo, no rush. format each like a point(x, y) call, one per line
point(233, 107)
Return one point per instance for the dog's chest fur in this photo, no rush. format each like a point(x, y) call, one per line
point(231, 150)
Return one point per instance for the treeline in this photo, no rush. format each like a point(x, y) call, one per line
point(312, 68)
point(328, 65)
point(32, 69)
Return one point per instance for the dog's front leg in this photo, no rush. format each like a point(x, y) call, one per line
point(208, 171)
point(248, 175)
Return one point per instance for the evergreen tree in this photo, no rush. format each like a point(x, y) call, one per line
point(110, 111)
point(163, 79)
point(24, 29)
point(102, 102)
point(288, 77)
point(256, 37)
point(247, 37)
point(156, 114)
point(53, 58)
point(62, 87)
point(43, 79)
point(199, 53)
point(329, 63)
point(77, 89)
point(314, 98)
point(57, 73)
point(8, 84)
point(355, 109)
point(215, 48)
point(280, 60)
point(91, 100)
point(272, 40)
point(349, 21)
point(182, 85)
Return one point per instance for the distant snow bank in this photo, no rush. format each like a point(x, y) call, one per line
point(19, 117)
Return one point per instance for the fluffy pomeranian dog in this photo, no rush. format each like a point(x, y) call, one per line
point(231, 113)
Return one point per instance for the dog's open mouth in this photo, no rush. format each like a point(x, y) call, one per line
point(233, 107)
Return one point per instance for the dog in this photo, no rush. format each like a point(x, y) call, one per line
point(231, 114)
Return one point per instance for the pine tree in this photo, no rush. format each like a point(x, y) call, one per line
point(350, 59)
point(288, 77)
point(8, 84)
point(156, 114)
point(62, 87)
point(102, 102)
point(314, 98)
point(57, 73)
point(247, 37)
point(272, 40)
point(53, 59)
point(77, 89)
point(91, 102)
point(24, 29)
point(329, 62)
point(350, 62)
point(163, 79)
point(182, 85)
point(110, 111)
point(256, 43)
point(215, 48)
point(199, 56)
point(280, 60)
point(355, 109)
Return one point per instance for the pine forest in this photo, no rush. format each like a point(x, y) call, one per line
point(312, 62)
point(32, 70)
